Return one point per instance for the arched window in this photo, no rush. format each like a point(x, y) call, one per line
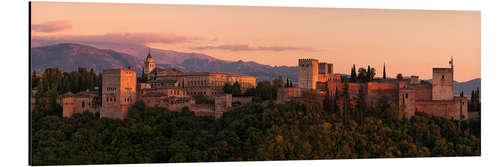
point(83, 104)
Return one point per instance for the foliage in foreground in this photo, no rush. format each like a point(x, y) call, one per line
point(294, 130)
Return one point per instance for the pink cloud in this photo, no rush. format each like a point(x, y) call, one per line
point(255, 48)
point(51, 26)
point(125, 38)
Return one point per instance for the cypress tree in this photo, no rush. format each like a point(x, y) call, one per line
point(353, 73)
point(368, 74)
point(384, 72)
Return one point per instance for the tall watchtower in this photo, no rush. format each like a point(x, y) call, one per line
point(118, 92)
point(149, 64)
point(442, 84)
point(308, 73)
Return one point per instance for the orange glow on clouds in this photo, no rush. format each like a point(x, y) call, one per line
point(410, 42)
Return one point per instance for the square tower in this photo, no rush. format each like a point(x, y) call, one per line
point(442, 84)
point(406, 102)
point(308, 73)
point(118, 92)
point(329, 69)
point(322, 68)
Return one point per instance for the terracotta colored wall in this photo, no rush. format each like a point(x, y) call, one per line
point(68, 106)
point(382, 91)
point(308, 73)
point(423, 92)
point(123, 84)
point(286, 94)
point(407, 102)
point(447, 109)
point(442, 84)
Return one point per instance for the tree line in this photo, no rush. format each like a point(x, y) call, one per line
point(308, 128)
point(52, 83)
point(296, 130)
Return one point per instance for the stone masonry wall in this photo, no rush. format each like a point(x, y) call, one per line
point(442, 84)
point(308, 73)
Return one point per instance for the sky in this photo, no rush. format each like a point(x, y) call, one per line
point(411, 42)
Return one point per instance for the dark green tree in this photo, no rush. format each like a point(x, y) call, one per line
point(399, 76)
point(384, 77)
point(278, 82)
point(371, 73)
point(362, 75)
point(228, 88)
point(235, 90)
point(264, 90)
point(353, 73)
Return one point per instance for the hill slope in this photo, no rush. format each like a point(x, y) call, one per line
point(69, 57)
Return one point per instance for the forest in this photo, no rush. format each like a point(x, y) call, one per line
point(301, 129)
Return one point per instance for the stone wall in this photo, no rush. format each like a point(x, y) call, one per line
point(286, 94)
point(423, 91)
point(442, 84)
point(207, 110)
point(118, 92)
point(308, 73)
point(444, 108)
point(382, 91)
point(80, 102)
point(210, 84)
point(223, 103)
point(68, 105)
point(242, 100)
point(407, 102)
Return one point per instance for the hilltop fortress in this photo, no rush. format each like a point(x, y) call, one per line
point(168, 88)
point(410, 95)
point(175, 90)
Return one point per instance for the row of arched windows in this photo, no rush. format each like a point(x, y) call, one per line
point(175, 92)
point(110, 99)
point(128, 99)
point(111, 89)
point(198, 93)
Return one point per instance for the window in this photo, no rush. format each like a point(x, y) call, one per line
point(406, 95)
point(442, 77)
point(83, 104)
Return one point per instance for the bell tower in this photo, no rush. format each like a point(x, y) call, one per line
point(149, 64)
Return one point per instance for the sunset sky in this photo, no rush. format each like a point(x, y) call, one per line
point(410, 42)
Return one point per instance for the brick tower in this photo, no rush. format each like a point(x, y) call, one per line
point(118, 92)
point(308, 73)
point(442, 83)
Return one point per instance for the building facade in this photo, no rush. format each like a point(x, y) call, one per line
point(210, 84)
point(118, 92)
point(308, 73)
point(410, 95)
point(80, 102)
point(149, 64)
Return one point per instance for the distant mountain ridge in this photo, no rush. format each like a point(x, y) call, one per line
point(466, 86)
point(69, 56)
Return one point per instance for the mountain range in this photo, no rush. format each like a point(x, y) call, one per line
point(99, 56)
point(70, 56)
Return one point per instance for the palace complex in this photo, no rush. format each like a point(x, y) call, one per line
point(174, 89)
